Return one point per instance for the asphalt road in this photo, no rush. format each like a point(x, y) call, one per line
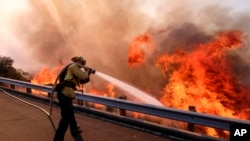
point(21, 122)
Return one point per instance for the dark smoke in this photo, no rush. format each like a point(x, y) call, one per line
point(185, 37)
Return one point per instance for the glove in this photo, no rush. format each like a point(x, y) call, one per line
point(92, 71)
point(89, 70)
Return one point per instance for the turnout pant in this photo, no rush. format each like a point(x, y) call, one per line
point(67, 117)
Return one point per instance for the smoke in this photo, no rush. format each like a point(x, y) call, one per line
point(97, 30)
point(49, 32)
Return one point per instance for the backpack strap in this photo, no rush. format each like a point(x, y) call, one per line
point(63, 73)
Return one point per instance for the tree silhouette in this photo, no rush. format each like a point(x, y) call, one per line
point(7, 70)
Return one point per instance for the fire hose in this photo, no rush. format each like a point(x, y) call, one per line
point(53, 89)
point(33, 105)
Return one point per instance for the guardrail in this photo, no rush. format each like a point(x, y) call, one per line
point(165, 112)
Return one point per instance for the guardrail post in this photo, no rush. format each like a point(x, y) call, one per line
point(190, 126)
point(12, 86)
point(123, 111)
point(110, 109)
point(49, 93)
point(28, 90)
point(80, 102)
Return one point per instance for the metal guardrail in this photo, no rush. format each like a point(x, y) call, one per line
point(165, 112)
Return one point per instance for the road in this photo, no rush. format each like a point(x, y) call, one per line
point(21, 122)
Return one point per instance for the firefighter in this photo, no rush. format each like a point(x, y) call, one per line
point(73, 77)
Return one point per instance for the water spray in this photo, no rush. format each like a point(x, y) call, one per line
point(134, 92)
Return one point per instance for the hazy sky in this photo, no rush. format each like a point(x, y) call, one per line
point(20, 17)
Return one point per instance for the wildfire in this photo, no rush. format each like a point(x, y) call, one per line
point(203, 78)
point(138, 49)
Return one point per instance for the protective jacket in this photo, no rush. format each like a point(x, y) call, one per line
point(73, 76)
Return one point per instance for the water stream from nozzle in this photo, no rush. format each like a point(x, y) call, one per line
point(138, 94)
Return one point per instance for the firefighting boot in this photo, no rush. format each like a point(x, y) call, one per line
point(78, 138)
point(77, 134)
point(76, 131)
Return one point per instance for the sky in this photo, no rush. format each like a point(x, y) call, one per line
point(45, 33)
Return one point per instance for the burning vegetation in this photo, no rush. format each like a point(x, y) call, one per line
point(204, 78)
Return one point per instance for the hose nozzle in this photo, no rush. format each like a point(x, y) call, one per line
point(90, 70)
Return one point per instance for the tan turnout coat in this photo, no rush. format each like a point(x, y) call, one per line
point(74, 74)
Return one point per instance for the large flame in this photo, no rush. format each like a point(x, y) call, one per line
point(204, 79)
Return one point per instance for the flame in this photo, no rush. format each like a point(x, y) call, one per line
point(110, 88)
point(203, 78)
point(110, 93)
point(138, 48)
point(100, 93)
point(45, 77)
